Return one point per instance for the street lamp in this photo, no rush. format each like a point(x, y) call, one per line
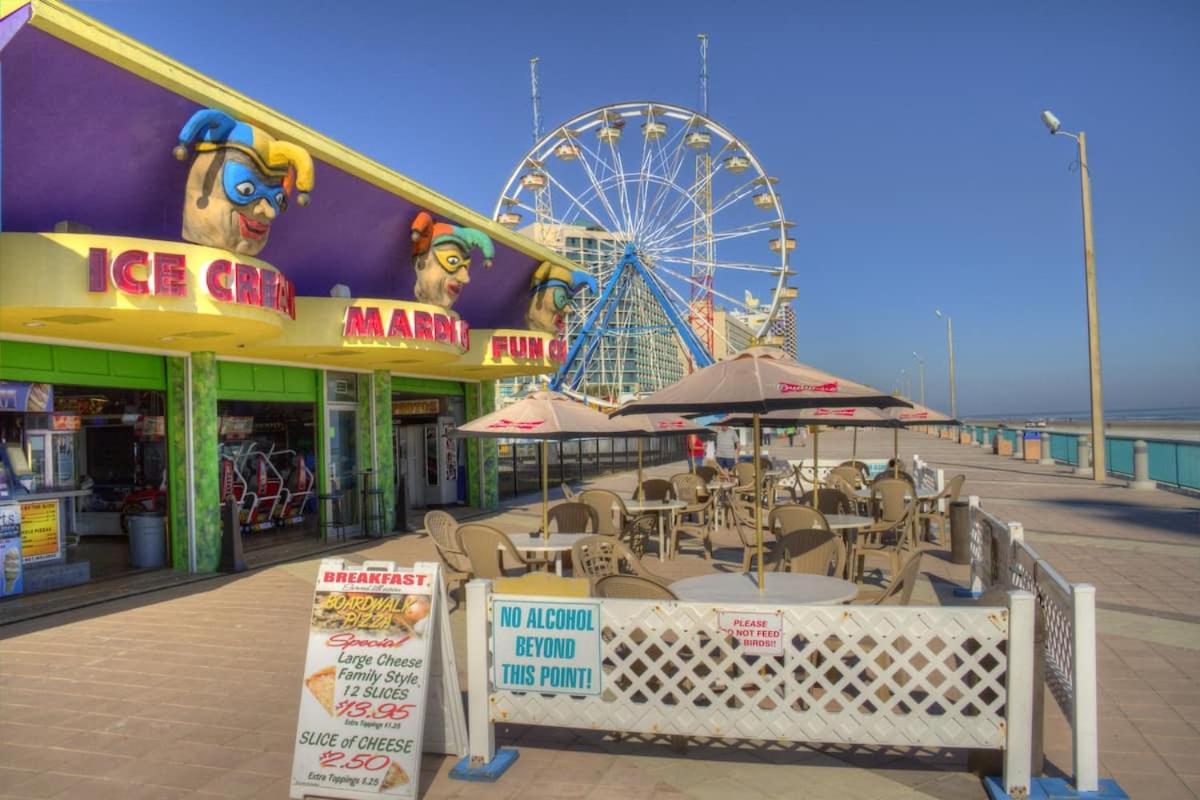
point(921, 366)
point(950, 347)
point(1089, 276)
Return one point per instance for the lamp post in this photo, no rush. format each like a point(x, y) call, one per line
point(921, 369)
point(1099, 468)
point(950, 347)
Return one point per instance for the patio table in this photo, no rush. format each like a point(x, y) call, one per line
point(554, 547)
point(665, 509)
point(782, 588)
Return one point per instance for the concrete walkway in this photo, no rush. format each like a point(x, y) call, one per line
point(193, 691)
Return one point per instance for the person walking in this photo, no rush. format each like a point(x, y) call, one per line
point(728, 448)
point(791, 434)
point(695, 448)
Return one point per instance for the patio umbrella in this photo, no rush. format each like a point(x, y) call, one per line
point(545, 416)
point(653, 425)
point(907, 417)
point(757, 381)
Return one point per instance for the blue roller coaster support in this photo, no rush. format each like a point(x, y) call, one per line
point(595, 327)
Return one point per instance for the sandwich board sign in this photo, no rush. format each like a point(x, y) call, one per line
point(380, 685)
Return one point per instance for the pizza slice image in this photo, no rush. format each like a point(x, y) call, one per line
point(323, 684)
point(396, 776)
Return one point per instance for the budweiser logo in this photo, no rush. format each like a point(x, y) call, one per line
point(665, 424)
point(513, 425)
point(835, 412)
point(793, 388)
point(914, 415)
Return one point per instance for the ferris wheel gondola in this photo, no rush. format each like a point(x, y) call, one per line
point(676, 219)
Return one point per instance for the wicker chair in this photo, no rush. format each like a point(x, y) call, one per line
point(899, 591)
point(794, 517)
point(573, 517)
point(742, 513)
point(889, 474)
point(596, 557)
point(653, 489)
point(568, 494)
point(456, 567)
point(864, 472)
point(743, 471)
point(483, 545)
point(698, 517)
point(928, 511)
point(850, 474)
point(631, 587)
point(893, 533)
point(707, 474)
point(615, 520)
point(830, 501)
point(811, 552)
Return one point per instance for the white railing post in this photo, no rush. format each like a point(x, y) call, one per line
point(977, 545)
point(481, 732)
point(1084, 728)
point(1018, 748)
point(940, 478)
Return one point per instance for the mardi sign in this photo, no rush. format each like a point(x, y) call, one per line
point(138, 272)
point(367, 321)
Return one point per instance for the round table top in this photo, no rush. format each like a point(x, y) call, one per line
point(782, 588)
point(654, 505)
point(865, 494)
point(839, 521)
point(535, 542)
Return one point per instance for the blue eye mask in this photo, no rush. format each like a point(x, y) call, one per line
point(243, 186)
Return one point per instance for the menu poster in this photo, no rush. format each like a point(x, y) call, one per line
point(20, 396)
point(367, 679)
point(39, 531)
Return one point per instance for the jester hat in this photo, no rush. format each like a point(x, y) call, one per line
point(210, 129)
point(426, 233)
point(548, 275)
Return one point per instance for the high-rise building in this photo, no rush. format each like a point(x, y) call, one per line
point(784, 327)
point(645, 360)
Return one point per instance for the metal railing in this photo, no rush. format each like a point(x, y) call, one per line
point(1172, 461)
point(520, 463)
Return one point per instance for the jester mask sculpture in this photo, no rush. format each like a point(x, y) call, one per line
point(551, 290)
point(442, 259)
point(239, 182)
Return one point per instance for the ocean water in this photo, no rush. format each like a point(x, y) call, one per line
point(1178, 414)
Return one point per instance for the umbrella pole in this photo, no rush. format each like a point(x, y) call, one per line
point(545, 490)
point(854, 448)
point(816, 464)
point(895, 452)
point(758, 533)
point(637, 491)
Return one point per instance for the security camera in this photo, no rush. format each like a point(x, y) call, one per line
point(1051, 121)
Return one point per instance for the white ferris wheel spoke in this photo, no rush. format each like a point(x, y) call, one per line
point(733, 233)
point(740, 304)
point(685, 311)
point(743, 266)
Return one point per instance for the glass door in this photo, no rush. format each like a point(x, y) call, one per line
point(343, 461)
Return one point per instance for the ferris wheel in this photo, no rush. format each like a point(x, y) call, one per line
point(680, 227)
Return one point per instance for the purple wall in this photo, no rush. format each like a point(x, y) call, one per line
point(86, 141)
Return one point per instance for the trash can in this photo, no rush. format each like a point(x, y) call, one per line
point(148, 540)
point(960, 532)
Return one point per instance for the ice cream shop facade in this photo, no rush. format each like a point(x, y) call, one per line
point(201, 299)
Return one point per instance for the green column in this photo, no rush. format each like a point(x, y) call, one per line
point(177, 464)
point(483, 482)
point(386, 478)
point(364, 436)
point(206, 462)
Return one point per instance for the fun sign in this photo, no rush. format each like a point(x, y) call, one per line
point(166, 274)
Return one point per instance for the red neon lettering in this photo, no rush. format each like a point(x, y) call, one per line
point(122, 272)
point(441, 328)
point(399, 327)
point(499, 347)
point(536, 349)
point(170, 275)
point(423, 324)
point(97, 269)
point(270, 289)
point(217, 279)
point(249, 287)
point(516, 346)
point(288, 293)
point(362, 322)
point(464, 335)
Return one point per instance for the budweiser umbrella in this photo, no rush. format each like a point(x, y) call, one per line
point(896, 417)
point(757, 381)
point(546, 416)
point(651, 425)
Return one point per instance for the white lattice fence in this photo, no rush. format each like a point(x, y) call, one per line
point(906, 676)
point(1000, 557)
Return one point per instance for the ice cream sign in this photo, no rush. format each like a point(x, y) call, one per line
point(163, 274)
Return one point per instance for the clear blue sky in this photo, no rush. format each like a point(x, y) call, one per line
point(905, 136)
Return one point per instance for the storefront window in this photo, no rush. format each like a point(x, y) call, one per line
point(343, 459)
point(341, 387)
